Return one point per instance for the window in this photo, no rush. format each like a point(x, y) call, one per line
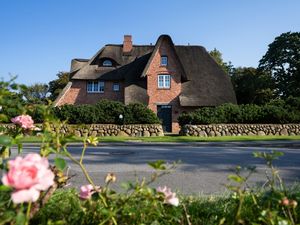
point(95, 87)
point(164, 81)
point(164, 61)
point(107, 62)
point(116, 87)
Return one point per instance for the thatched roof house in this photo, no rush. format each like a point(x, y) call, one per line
point(168, 78)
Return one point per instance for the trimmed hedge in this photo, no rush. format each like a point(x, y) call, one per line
point(106, 112)
point(277, 112)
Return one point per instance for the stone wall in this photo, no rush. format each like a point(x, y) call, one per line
point(134, 130)
point(240, 130)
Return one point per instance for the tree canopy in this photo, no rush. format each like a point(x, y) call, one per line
point(217, 55)
point(35, 93)
point(252, 86)
point(56, 86)
point(282, 59)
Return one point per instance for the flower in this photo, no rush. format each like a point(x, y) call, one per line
point(110, 177)
point(86, 191)
point(24, 121)
point(28, 176)
point(285, 201)
point(170, 197)
point(293, 204)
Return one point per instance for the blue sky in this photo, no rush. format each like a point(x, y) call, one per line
point(39, 38)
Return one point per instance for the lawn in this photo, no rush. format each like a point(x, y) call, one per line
point(177, 138)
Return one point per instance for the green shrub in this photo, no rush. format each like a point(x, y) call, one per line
point(106, 112)
point(139, 113)
point(277, 111)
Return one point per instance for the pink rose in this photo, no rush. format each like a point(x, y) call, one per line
point(24, 121)
point(28, 176)
point(86, 191)
point(170, 197)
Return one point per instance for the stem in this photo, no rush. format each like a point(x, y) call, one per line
point(291, 216)
point(83, 151)
point(28, 213)
point(79, 163)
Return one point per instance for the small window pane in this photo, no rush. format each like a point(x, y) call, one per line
point(167, 81)
point(90, 86)
point(96, 87)
point(164, 61)
point(116, 87)
point(107, 63)
point(101, 86)
point(160, 81)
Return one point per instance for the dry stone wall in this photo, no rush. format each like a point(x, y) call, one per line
point(213, 130)
point(134, 130)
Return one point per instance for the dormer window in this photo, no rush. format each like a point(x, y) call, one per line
point(107, 62)
point(164, 61)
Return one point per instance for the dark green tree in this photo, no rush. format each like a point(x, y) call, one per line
point(282, 59)
point(217, 55)
point(35, 93)
point(252, 86)
point(56, 86)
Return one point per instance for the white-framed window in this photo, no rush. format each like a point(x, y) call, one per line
point(116, 87)
point(164, 81)
point(95, 86)
point(107, 62)
point(164, 61)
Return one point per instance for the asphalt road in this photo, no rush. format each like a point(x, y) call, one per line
point(204, 168)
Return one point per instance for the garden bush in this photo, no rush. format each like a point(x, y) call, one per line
point(277, 112)
point(106, 112)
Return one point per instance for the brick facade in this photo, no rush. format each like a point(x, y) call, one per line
point(169, 96)
point(78, 94)
point(137, 67)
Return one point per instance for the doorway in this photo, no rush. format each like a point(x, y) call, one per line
point(164, 113)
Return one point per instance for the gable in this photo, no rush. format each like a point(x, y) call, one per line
point(165, 41)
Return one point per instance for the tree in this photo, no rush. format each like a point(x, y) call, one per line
point(252, 86)
point(36, 93)
point(282, 59)
point(217, 55)
point(56, 86)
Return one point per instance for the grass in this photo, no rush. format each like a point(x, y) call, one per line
point(177, 138)
point(65, 207)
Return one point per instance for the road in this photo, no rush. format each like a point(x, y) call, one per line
point(204, 168)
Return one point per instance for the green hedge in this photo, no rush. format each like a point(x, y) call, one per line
point(278, 112)
point(106, 112)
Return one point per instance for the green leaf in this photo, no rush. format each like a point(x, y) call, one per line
point(7, 217)
point(5, 140)
point(60, 163)
point(20, 219)
point(125, 185)
point(236, 178)
point(158, 165)
point(5, 152)
point(5, 188)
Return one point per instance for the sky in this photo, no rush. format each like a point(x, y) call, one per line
point(38, 39)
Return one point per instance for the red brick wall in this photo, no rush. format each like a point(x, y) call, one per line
point(165, 96)
point(77, 94)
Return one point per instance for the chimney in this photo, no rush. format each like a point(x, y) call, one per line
point(127, 44)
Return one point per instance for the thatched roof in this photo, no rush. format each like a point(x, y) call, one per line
point(204, 81)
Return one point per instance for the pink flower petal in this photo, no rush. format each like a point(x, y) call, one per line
point(25, 195)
